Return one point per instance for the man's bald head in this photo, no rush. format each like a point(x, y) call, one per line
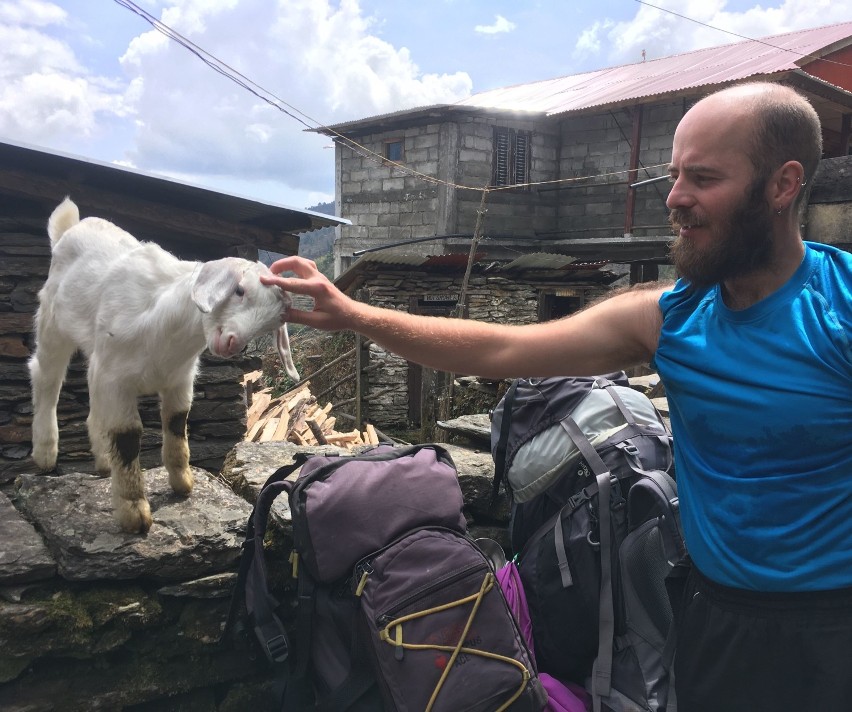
point(785, 127)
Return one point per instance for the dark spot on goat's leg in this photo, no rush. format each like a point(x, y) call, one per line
point(126, 445)
point(177, 424)
point(128, 487)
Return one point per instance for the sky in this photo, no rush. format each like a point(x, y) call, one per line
point(94, 79)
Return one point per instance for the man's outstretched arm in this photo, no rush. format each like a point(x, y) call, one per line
point(618, 332)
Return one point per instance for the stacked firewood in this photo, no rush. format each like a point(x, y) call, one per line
point(296, 417)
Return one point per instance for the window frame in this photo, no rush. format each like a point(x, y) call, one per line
point(515, 168)
point(386, 148)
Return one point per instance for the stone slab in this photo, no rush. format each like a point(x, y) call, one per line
point(191, 536)
point(23, 554)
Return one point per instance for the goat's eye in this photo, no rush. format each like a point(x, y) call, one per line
point(240, 291)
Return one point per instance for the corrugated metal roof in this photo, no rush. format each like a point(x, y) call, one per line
point(699, 68)
point(540, 260)
point(544, 262)
point(628, 83)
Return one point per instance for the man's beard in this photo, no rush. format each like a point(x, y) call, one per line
point(741, 244)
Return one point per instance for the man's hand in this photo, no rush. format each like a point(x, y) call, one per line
point(332, 309)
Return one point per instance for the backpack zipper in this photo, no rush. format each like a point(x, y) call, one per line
point(383, 619)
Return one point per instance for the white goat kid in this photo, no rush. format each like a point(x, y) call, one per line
point(142, 317)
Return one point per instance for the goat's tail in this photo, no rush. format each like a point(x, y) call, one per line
point(65, 216)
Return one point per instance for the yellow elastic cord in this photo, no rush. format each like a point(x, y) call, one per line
point(395, 638)
point(363, 582)
point(294, 562)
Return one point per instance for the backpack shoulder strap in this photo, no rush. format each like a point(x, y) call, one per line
point(602, 672)
point(251, 585)
point(609, 387)
point(503, 440)
point(655, 495)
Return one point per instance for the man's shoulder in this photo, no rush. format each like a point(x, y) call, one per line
point(833, 266)
point(683, 294)
point(829, 253)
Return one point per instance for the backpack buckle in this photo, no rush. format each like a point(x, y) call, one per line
point(277, 648)
point(575, 500)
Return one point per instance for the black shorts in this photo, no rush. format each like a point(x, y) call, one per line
point(743, 651)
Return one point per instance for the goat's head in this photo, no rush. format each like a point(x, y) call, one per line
point(236, 308)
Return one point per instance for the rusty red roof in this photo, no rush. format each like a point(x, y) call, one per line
point(699, 68)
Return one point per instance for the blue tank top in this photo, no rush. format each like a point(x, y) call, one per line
point(761, 412)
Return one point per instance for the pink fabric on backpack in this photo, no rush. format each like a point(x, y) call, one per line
point(562, 696)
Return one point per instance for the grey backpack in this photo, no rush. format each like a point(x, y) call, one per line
point(397, 608)
point(598, 538)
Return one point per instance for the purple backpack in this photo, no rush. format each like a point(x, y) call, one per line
point(396, 607)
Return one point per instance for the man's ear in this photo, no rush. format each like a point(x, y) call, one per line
point(785, 184)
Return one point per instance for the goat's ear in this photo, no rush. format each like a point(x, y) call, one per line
point(214, 283)
point(282, 343)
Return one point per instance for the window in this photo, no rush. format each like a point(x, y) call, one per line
point(511, 161)
point(393, 150)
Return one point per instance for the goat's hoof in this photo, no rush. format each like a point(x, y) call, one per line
point(181, 482)
point(134, 516)
point(45, 456)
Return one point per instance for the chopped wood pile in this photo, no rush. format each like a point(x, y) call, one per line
point(296, 417)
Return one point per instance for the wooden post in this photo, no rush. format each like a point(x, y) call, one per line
point(644, 272)
point(636, 139)
point(461, 307)
point(428, 405)
point(362, 361)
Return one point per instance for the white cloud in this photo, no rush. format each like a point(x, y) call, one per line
point(36, 13)
point(46, 96)
point(318, 57)
point(660, 33)
point(167, 112)
point(500, 26)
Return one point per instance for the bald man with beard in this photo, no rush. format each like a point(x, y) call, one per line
point(753, 345)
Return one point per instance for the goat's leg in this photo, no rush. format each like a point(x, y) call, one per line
point(97, 429)
point(118, 424)
point(174, 411)
point(47, 372)
point(99, 441)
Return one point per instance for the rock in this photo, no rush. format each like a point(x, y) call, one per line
point(476, 427)
point(23, 555)
point(476, 478)
point(191, 536)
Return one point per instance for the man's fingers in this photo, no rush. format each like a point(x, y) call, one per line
point(297, 265)
point(288, 284)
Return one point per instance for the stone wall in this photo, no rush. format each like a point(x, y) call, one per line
point(95, 619)
point(829, 212)
point(527, 212)
point(384, 204)
point(217, 418)
point(388, 205)
point(598, 146)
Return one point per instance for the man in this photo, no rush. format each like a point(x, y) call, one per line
point(753, 345)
